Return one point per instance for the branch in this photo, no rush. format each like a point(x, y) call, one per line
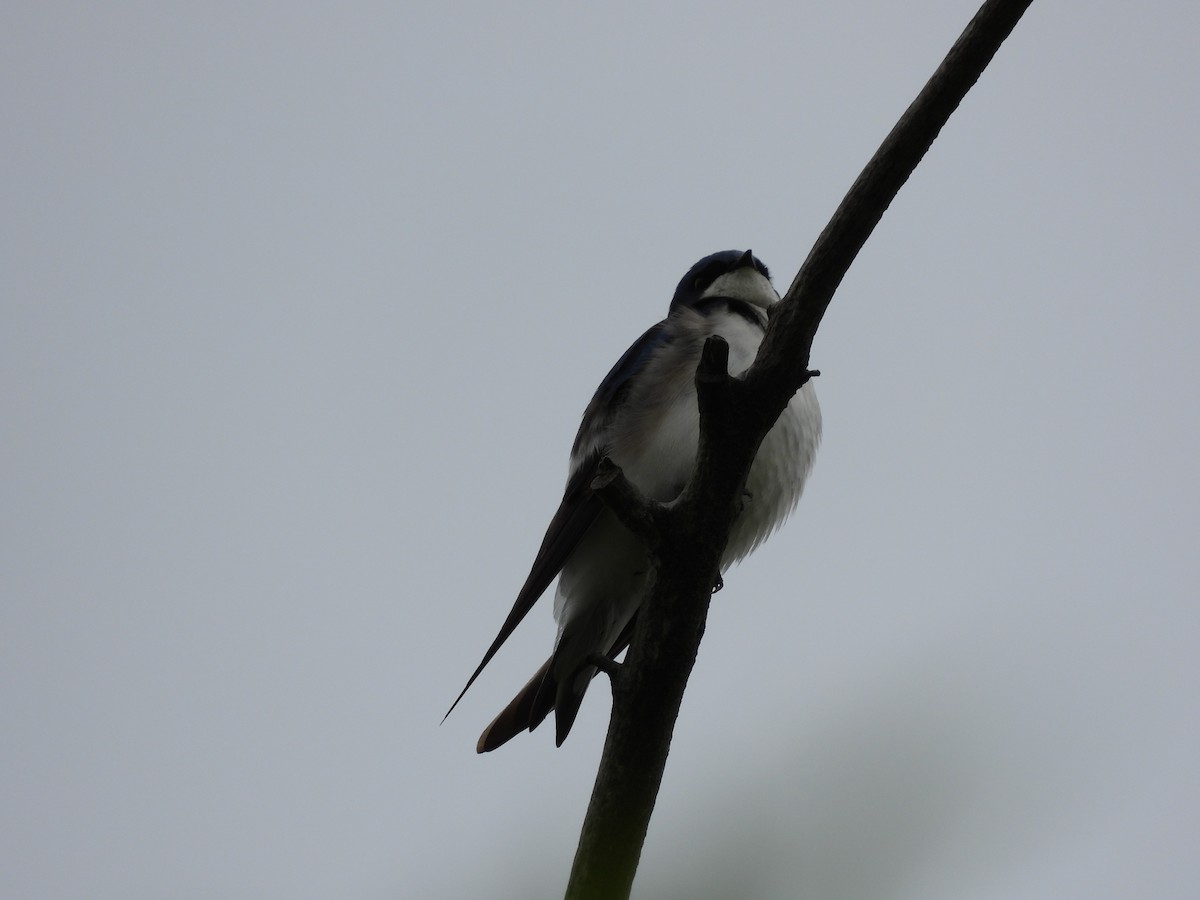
point(641, 516)
point(734, 417)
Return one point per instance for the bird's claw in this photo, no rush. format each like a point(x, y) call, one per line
point(609, 667)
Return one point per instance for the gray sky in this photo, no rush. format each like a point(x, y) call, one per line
point(301, 305)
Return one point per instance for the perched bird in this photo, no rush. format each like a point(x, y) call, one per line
point(644, 417)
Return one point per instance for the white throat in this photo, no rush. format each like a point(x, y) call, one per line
point(744, 284)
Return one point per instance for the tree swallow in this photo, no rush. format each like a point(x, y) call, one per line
point(644, 418)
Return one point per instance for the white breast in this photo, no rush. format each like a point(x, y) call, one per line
point(777, 476)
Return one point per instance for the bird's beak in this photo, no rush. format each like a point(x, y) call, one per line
point(747, 260)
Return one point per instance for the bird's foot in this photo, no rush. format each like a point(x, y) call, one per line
point(609, 667)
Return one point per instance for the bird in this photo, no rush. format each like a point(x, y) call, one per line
point(644, 418)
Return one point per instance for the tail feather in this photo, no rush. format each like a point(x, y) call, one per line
point(567, 702)
point(541, 694)
point(525, 712)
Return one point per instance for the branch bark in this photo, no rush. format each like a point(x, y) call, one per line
point(689, 536)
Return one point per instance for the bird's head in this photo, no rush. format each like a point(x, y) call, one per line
point(732, 274)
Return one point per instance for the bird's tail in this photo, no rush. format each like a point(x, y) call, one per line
point(543, 693)
point(533, 703)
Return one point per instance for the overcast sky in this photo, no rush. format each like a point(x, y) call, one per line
point(301, 304)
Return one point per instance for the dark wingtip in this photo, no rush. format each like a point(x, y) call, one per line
point(463, 694)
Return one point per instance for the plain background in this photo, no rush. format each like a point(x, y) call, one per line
point(301, 304)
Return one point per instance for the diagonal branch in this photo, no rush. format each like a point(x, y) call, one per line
point(641, 516)
point(735, 416)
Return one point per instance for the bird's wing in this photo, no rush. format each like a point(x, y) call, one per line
point(580, 506)
point(613, 390)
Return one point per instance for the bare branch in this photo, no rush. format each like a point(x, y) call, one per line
point(641, 516)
